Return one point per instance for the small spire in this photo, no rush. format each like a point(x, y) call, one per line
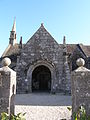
point(64, 40)
point(14, 25)
point(64, 46)
point(20, 42)
point(12, 39)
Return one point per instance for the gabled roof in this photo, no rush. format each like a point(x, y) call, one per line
point(42, 34)
point(14, 50)
point(11, 50)
point(71, 47)
point(86, 49)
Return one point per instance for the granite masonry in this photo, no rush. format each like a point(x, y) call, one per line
point(42, 64)
point(7, 87)
point(81, 87)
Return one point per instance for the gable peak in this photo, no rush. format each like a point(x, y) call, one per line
point(42, 25)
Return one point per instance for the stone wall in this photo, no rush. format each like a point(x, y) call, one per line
point(41, 49)
point(7, 87)
point(81, 87)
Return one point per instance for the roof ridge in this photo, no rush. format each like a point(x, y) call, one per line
point(6, 50)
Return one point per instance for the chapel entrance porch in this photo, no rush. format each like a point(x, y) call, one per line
point(41, 79)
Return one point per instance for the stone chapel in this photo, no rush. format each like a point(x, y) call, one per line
point(42, 64)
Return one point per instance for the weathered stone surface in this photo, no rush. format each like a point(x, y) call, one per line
point(41, 50)
point(7, 87)
point(81, 88)
point(6, 62)
point(80, 62)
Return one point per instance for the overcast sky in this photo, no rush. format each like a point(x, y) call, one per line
point(60, 17)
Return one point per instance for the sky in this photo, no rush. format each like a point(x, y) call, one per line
point(70, 18)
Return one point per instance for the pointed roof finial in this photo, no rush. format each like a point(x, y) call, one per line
point(14, 25)
point(42, 25)
point(64, 40)
point(20, 42)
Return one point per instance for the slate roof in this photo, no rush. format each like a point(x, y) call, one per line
point(11, 50)
point(15, 50)
point(86, 49)
point(71, 47)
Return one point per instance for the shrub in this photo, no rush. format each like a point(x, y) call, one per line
point(19, 116)
point(80, 114)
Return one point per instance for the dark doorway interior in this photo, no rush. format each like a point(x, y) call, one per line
point(41, 79)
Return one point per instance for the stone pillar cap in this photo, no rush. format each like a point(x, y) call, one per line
point(80, 62)
point(6, 61)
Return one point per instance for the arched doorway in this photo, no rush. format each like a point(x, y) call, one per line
point(41, 79)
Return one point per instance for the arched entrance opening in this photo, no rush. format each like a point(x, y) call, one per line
point(41, 79)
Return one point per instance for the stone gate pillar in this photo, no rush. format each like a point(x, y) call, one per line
point(7, 87)
point(81, 87)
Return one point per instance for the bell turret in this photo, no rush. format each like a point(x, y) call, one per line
point(12, 39)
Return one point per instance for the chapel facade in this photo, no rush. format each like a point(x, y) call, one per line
point(43, 65)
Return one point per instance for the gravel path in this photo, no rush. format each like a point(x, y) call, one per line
point(43, 106)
